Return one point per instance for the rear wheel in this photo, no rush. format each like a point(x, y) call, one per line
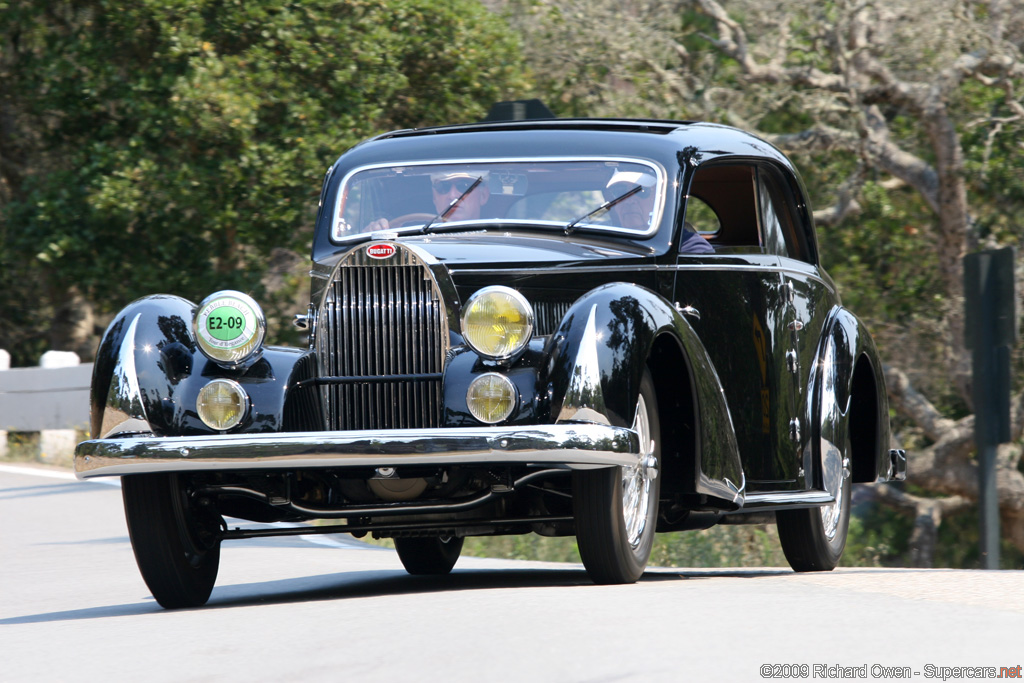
point(616, 508)
point(429, 555)
point(813, 540)
point(176, 542)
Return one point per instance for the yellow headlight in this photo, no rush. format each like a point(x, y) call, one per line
point(222, 404)
point(491, 398)
point(497, 322)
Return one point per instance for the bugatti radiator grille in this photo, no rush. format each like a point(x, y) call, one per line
point(381, 341)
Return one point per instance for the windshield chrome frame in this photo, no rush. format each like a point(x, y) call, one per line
point(660, 198)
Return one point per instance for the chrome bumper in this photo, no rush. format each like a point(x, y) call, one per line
point(575, 446)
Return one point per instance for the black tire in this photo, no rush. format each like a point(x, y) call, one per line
point(616, 508)
point(813, 540)
point(429, 555)
point(176, 546)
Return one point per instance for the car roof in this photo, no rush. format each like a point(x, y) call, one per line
point(679, 147)
point(669, 142)
point(654, 126)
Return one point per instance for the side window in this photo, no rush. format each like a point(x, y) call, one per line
point(701, 218)
point(771, 221)
point(722, 207)
point(783, 233)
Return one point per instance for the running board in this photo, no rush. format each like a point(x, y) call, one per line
point(789, 500)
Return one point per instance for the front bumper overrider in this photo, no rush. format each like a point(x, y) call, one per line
point(570, 445)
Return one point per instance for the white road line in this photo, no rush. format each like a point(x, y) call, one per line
point(38, 472)
point(340, 541)
point(55, 474)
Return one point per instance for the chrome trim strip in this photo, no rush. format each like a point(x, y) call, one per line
point(575, 446)
point(671, 267)
point(659, 172)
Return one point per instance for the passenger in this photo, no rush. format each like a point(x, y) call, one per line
point(635, 211)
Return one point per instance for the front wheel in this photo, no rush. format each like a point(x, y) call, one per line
point(176, 543)
point(429, 555)
point(616, 508)
point(813, 540)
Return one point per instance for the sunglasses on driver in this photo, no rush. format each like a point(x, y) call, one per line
point(460, 185)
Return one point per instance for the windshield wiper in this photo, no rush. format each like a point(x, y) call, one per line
point(451, 207)
point(604, 207)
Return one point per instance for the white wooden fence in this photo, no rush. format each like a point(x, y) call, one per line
point(52, 399)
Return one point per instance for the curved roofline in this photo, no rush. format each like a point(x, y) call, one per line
point(655, 126)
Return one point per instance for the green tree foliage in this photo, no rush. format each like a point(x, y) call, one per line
point(169, 146)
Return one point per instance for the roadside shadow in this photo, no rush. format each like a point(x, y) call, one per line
point(378, 583)
point(382, 583)
point(86, 613)
point(16, 492)
point(688, 573)
point(341, 586)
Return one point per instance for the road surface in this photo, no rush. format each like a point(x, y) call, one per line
point(74, 608)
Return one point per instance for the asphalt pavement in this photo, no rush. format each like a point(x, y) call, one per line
point(314, 608)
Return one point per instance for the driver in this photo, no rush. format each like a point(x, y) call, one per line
point(448, 186)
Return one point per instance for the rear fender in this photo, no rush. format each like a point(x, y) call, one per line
point(850, 400)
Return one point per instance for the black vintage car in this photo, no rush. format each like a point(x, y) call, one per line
point(599, 328)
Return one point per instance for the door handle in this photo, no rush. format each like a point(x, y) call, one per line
point(688, 311)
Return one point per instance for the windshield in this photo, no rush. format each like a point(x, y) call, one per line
point(610, 195)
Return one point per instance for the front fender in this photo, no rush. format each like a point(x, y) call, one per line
point(149, 370)
point(596, 362)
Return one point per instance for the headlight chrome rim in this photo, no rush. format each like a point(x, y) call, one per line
point(232, 312)
point(472, 309)
point(207, 399)
point(510, 397)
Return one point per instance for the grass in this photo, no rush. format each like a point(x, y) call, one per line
point(720, 546)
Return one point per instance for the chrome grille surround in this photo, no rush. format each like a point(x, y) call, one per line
point(382, 318)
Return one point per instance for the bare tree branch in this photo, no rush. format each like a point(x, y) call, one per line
point(928, 513)
point(911, 403)
point(732, 40)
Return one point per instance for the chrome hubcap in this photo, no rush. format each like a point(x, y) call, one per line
point(836, 471)
point(637, 478)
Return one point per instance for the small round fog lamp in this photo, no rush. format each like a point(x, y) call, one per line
point(491, 398)
point(222, 404)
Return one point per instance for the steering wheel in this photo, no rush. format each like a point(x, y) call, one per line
point(410, 218)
